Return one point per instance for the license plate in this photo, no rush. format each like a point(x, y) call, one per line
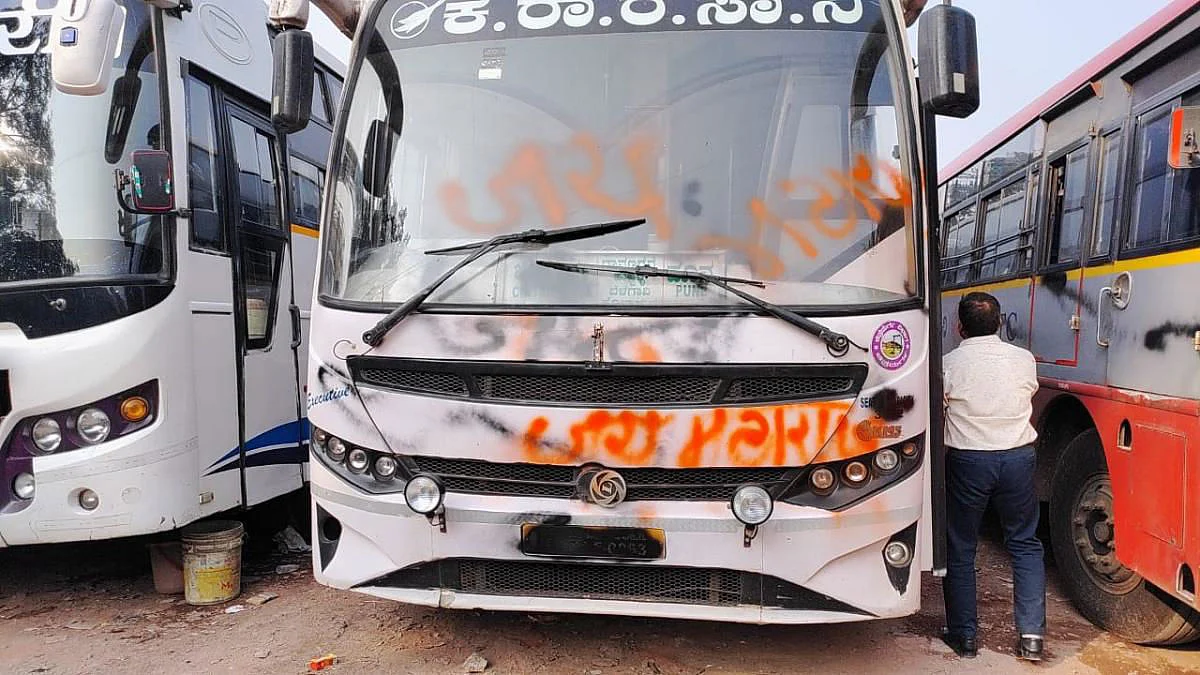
point(573, 541)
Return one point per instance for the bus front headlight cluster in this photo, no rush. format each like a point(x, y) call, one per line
point(838, 485)
point(87, 425)
point(369, 469)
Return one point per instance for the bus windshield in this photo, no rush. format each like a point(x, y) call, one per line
point(759, 139)
point(59, 217)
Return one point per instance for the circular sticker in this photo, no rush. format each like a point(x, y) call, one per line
point(891, 345)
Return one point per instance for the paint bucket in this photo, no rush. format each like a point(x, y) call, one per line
point(212, 562)
point(166, 562)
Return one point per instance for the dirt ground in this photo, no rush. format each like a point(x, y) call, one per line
point(91, 608)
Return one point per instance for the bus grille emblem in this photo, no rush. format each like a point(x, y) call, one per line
point(606, 488)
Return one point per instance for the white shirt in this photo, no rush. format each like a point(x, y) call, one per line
point(989, 387)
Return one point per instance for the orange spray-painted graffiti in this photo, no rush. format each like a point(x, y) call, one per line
point(784, 435)
point(528, 175)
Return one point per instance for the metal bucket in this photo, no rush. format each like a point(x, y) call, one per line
point(212, 562)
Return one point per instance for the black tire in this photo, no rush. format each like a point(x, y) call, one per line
point(1105, 592)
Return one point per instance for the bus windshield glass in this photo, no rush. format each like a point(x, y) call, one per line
point(59, 217)
point(759, 139)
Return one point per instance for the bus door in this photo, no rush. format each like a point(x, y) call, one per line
point(269, 393)
point(1056, 320)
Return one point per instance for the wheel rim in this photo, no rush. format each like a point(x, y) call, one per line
point(1092, 532)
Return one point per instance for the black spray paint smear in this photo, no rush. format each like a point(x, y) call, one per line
point(1156, 339)
point(1056, 283)
point(890, 405)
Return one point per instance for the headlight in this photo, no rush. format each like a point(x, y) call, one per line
point(357, 460)
point(752, 505)
point(887, 460)
point(856, 473)
point(23, 485)
point(47, 435)
point(318, 438)
point(93, 425)
point(822, 479)
point(385, 467)
point(423, 494)
point(897, 554)
point(336, 449)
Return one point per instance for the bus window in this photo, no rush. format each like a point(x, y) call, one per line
point(1068, 187)
point(203, 169)
point(1106, 207)
point(260, 266)
point(960, 239)
point(256, 182)
point(307, 180)
point(1153, 174)
point(1003, 218)
point(334, 85)
point(319, 111)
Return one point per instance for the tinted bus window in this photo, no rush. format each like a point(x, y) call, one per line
point(203, 168)
point(307, 180)
point(1150, 192)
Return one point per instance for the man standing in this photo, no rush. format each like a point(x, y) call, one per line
point(989, 387)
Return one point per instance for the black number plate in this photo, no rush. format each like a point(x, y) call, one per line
point(572, 541)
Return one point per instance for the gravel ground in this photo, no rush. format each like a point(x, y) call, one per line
point(91, 608)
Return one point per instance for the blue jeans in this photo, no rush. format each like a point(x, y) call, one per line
point(1006, 477)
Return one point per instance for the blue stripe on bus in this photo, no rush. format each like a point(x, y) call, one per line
point(287, 435)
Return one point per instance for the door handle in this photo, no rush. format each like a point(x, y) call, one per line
point(1100, 339)
point(295, 312)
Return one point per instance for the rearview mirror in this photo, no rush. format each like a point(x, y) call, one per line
point(949, 61)
point(84, 37)
point(1184, 150)
point(150, 176)
point(292, 83)
point(377, 157)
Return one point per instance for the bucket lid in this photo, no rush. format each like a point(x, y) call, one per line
point(212, 530)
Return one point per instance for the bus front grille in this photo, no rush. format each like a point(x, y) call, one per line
point(555, 481)
point(597, 581)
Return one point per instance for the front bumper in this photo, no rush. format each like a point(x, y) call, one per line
point(804, 566)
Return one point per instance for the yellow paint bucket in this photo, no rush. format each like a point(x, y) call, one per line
point(212, 561)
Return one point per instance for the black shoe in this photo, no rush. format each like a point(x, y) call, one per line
point(965, 647)
point(1030, 648)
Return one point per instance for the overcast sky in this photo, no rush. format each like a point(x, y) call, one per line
point(1025, 48)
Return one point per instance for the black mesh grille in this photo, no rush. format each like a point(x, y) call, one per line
point(785, 388)
point(416, 380)
point(545, 480)
point(660, 584)
point(625, 581)
point(599, 390)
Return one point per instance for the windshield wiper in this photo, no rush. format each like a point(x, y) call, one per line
point(477, 250)
point(837, 343)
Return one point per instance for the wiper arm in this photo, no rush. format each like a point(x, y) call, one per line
point(837, 343)
point(477, 250)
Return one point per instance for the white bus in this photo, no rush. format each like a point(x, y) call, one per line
point(623, 307)
point(151, 360)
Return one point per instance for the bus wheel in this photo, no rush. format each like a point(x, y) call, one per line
point(1106, 592)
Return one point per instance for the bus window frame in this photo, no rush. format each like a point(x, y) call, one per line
point(1119, 129)
point(944, 235)
point(1042, 264)
point(996, 191)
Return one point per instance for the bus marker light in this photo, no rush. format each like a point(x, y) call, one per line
point(319, 437)
point(93, 425)
point(752, 505)
point(856, 473)
point(909, 449)
point(423, 494)
point(357, 460)
point(135, 409)
point(822, 479)
point(47, 435)
point(88, 500)
point(887, 460)
point(23, 485)
point(897, 554)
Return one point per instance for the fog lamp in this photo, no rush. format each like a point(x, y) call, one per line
point(897, 554)
point(423, 494)
point(23, 485)
point(752, 505)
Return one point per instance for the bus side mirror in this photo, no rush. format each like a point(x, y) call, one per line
point(292, 82)
point(153, 191)
point(377, 158)
point(1184, 150)
point(84, 38)
point(949, 61)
